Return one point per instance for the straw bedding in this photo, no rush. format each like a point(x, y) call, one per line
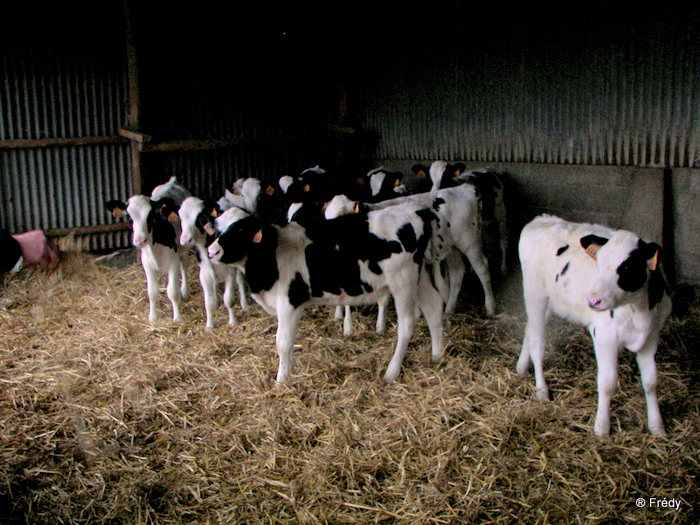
point(106, 419)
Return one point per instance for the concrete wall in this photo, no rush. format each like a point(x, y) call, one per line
point(686, 216)
point(661, 205)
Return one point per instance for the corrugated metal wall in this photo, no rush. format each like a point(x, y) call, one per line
point(62, 79)
point(618, 88)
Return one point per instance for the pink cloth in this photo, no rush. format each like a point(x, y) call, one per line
point(36, 248)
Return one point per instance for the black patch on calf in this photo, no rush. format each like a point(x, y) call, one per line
point(447, 180)
point(437, 203)
point(484, 184)
point(562, 250)
point(427, 217)
point(10, 251)
point(374, 267)
point(657, 283)
point(163, 230)
point(158, 223)
point(407, 236)
point(632, 273)
point(261, 271)
point(592, 239)
point(307, 214)
point(390, 181)
point(110, 205)
point(298, 291)
point(311, 186)
point(338, 245)
point(565, 269)
point(271, 208)
point(612, 314)
point(657, 288)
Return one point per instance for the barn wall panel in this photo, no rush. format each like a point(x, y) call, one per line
point(64, 188)
point(627, 99)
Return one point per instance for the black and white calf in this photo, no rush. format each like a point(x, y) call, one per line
point(311, 185)
point(245, 195)
point(350, 260)
point(306, 195)
point(338, 206)
point(156, 233)
point(606, 280)
point(494, 216)
point(385, 184)
point(195, 216)
point(458, 209)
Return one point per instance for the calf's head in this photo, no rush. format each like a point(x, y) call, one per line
point(627, 266)
point(148, 217)
point(196, 220)
point(236, 229)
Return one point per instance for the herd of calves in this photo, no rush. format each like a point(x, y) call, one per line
point(298, 242)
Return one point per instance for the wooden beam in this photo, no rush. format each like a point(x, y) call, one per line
point(211, 144)
point(133, 114)
point(53, 143)
point(87, 230)
point(134, 135)
point(192, 145)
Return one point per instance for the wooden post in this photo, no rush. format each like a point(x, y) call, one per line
point(134, 101)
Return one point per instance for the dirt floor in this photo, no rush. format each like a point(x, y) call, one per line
point(107, 419)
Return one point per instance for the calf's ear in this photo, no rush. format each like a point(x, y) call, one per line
point(592, 243)
point(458, 169)
point(209, 228)
point(421, 171)
point(211, 208)
point(168, 209)
point(652, 253)
point(116, 208)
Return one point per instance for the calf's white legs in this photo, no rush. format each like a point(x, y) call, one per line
point(287, 326)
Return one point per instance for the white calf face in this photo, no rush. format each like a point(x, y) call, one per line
point(339, 205)
point(225, 225)
point(375, 182)
point(189, 212)
point(623, 269)
point(215, 251)
point(140, 209)
point(226, 219)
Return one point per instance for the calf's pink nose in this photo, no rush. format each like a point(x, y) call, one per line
point(594, 301)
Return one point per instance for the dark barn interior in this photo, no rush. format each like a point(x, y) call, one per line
point(589, 112)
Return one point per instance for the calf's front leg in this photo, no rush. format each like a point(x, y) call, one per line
point(174, 290)
point(647, 367)
point(606, 353)
point(287, 326)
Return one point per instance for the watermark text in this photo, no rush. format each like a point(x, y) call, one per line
point(659, 503)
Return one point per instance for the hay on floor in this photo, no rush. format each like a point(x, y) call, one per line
point(107, 419)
